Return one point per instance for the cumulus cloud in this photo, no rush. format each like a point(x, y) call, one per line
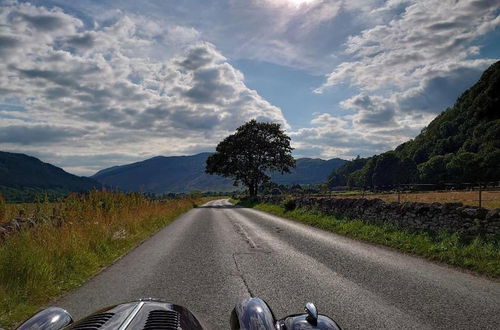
point(429, 38)
point(332, 136)
point(39, 134)
point(70, 80)
point(435, 94)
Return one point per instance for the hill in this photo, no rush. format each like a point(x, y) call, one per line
point(308, 171)
point(164, 174)
point(462, 144)
point(187, 173)
point(22, 177)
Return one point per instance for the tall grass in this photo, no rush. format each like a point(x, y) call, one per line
point(83, 234)
point(477, 255)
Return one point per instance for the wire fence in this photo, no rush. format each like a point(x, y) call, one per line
point(485, 195)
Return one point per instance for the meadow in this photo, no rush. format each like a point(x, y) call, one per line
point(489, 199)
point(91, 231)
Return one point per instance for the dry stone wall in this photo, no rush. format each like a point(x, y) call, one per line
point(451, 217)
point(20, 223)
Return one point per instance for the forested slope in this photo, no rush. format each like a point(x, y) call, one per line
point(462, 144)
point(22, 177)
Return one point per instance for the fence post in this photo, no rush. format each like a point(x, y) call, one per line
point(480, 195)
point(399, 194)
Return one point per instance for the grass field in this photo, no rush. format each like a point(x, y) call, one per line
point(41, 263)
point(489, 199)
point(477, 255)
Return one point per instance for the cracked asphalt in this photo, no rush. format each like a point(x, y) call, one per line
point(213, 256)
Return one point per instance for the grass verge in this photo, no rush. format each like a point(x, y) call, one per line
point(477, 255)
point(41, 263)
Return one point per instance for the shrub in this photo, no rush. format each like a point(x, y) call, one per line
point(289, 204)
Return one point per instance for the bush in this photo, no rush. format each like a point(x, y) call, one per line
point(289, 204)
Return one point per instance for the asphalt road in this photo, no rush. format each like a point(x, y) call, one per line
point(215, 255)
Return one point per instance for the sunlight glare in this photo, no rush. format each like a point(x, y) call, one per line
point(294, 2)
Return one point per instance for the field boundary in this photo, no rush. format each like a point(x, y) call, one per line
point(476, 255)
point(466, 221)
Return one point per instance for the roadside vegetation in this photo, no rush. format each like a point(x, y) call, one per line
point(477, 254)
point(82, 234)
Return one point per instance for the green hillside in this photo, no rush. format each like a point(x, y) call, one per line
point(460, 145)
point(187, 173)
point(22, 177)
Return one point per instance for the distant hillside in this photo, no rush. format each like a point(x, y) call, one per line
point(164, 174)
point(462, 144)
point(23, 176)
point(309, 171)
point(187, 173)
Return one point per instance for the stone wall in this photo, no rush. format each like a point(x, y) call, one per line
point(20, 223)
point(451, 217)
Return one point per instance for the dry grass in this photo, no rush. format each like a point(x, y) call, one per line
point(39, 264)
point(13, 210)
point(490, 199)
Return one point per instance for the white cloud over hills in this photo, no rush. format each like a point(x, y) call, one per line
point(84, 85)
point(95, 91)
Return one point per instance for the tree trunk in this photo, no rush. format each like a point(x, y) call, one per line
point(251, 189)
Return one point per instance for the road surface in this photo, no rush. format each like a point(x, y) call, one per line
point(214, 255)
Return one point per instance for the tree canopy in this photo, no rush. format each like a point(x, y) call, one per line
point(250, 154)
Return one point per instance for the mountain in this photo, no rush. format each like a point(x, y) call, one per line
point(460, 145)
point(187, 173)
point(308, 171)
point(164, 174)
point(23, 176)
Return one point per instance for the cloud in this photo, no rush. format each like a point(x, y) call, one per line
point(372, 111)
point(39, 134)
point(429, 38)
point(435, 94)
point(86, 40)
point(333, 136)
point(409, 66)
point(283, 32)
point(153, 78)
point(70, 79)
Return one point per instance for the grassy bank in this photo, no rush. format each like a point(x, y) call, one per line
point(43, 262)
point(477, 255)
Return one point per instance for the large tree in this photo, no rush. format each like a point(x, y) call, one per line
point(250, 154)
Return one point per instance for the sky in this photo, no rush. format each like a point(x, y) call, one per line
point(90, 84)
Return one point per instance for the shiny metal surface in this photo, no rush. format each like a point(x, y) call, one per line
point(252, 313)
point(52, 318)
point(301, 321)
point(312, 312)
point(134, 315)
point(131, 316)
